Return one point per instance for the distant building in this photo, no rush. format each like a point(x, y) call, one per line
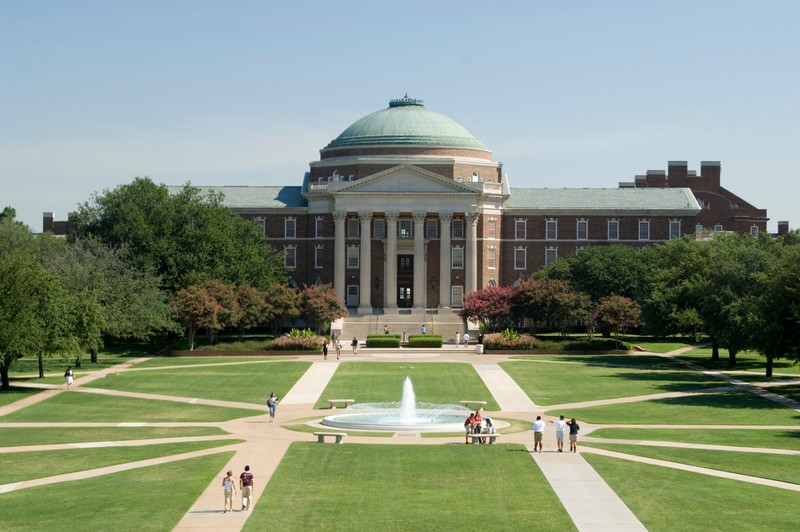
point(406, 209)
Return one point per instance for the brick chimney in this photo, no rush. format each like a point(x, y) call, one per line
point(47, 222)
point(710, 171)
point(783, 227)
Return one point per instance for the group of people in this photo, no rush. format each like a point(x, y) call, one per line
point(561, 425)
point(477, 424)
point(458, 339)
point(337, 346)
point(245, 488)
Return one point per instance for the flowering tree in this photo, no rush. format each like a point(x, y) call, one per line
point(253, 308)
point(320, 306)
point(490, 306)
point(548, 302)
point(196, 308)
point(616, 314)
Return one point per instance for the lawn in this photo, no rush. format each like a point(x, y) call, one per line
point(744, 361)
point(407, 487)
point(36, 464)
point(88, 407)
point(667, 499)
point(554, 383)
point(772, 439)
point(139, 500)
point(160, 362)
point(727, 408)
point(629, 360)
point(14, 394)
point(791, 391)
point(770, 466)
point(247, 383)
point(439, 383)
point(14, 436)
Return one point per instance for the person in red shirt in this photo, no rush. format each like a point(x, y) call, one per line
point(469, 425)
point(246, 487)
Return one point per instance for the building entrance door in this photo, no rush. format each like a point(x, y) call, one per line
point(404, 297)
point(405, 281)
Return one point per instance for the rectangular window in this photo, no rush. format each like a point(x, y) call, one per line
point(753, 230)
point(582, 230)
point(405, 263)
point(491, 228)
point(431, 229)
point(352, 256)
point(457, 258)
point(352, 295)
point(613, 229)
point(718, 228)
point(698, 228)
point(353, 228)
point(644, 229)
point(261, 223)
point(379, 228)
point(520, 258)
point(674, 229)
point(550, 255)
point(552, 230)
point(456, 296)
point(491, 258)
point(520, 229)
point(405, 229)
point(457, 229)
point(318, 227)
point(319, 257)
point(290, 228)
point(290, 257)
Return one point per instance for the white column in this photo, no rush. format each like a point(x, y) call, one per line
point(365, 262)
point(419, 260)
point(445, 220)
point(471, 273)
point(391, 259)
point(339, 255)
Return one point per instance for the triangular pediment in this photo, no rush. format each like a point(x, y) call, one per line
point(404, 179)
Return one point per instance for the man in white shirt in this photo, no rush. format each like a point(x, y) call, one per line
point(560, 424)
point(538, 433)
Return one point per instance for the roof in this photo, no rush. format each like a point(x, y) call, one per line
point(253, 197)
point(555, 199)
point(406, 122)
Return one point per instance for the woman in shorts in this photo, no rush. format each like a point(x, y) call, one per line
point(229, 490)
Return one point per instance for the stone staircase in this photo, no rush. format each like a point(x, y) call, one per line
point(444, 322)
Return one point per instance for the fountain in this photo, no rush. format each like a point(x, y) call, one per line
point(388, 416)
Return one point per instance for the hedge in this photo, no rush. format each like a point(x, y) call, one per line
point(383, 340)
point(424, 340)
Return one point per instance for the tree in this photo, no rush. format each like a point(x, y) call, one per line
point(549, 303)
point(490, 306)
point(616, 315)
point(228, 310)
point(196, 308)
point(253, 308)
point(283, 303)
point(320, 306)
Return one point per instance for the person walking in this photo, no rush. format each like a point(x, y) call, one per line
point(466, 339)
point(246, 486)
point(338, 346)
point(354, 345)
point(69, 377)
point(325, 349)
point(272, 404)
point(560, 425)
point(228, 490)
point(538, 433)
point(386, 329)
point(573, 435)
point(424, 329)
point(458, 338)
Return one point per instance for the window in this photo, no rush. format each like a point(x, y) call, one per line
point(290, 257)
point(698, 228)
point(457, 258)
point(550, 255)
point(352, 256)
point(613, 229)
point(289, 227)
point(519, 258)
point(674, 229)
point(644, 229)
point(491, 257)
point(551, 232)
point(261, 223)
point(431, 229)
point(405, 229)
point(519, 229)
point(582, 230)
point(379, 228)
point(353, 228)
point(352, 295)
point(457, 229)
point(491, 228)
point(456, 296)
point(753, 230)
point(405, 263)
point(718, 228)
point(318, 227)
point(319, 257)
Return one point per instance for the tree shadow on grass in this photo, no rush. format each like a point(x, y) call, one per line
point(674, 381)
point(724, 400)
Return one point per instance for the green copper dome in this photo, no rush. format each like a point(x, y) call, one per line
point(406, 122)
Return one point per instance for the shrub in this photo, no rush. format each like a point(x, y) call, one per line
point(383, 340)
point(296, 343)
point(424, 340)
point(301, 333)
point(501, 341)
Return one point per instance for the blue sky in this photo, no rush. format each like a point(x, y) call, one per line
point(566, 93)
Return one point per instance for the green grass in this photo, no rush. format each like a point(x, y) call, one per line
point(658, 347)
point(14, 436)
point(248, 383)
point(770, 466)
point(85, 407)
point(439, 383)
point(772, 439)
point(791, 391)
point(301, 427)
point(744, 361)
point(549, 384)
point(407, 487)
point(37, 464)
point(142, 499)
point(727, 408)
point(159, 362)
point(667, 499)
point(627, 360)
point(14, 394)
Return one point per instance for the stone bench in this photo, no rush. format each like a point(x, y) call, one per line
point(337, 435)
point(345, 402)
point(475, 437)
point(479, 404)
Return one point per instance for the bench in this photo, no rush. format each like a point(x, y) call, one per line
point(345, 402)
point(475, 437)
point(338, 435)
point(479, 404)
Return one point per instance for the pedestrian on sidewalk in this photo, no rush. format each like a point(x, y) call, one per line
point(538, 433)
point(354, 345)
point(246, 485)
point(560, 425)
point(458, 338)
point(325, 349)
point(338, 346)
point(386, 329)
point(424, 329)
point(229, 490)
point(69, 376)
point(466, 339)
point(272, 404)
point(573, 435)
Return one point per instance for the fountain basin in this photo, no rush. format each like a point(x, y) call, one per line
point(424, 420)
